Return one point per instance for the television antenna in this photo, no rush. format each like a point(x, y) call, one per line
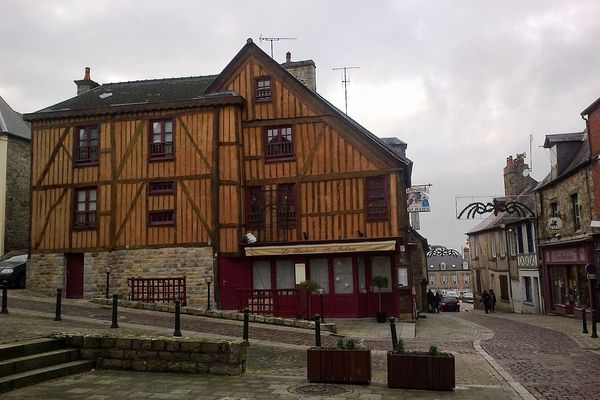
point(274, 39)
point(345, 82)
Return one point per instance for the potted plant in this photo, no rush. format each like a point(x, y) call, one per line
point(349, 362)
point(379, 282)
point(310, 287)
point(432, 370)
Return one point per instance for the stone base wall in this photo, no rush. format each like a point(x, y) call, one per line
point(161, 354)
point(46, 272)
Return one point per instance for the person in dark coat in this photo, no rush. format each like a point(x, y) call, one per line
point(485, 299)
point(430, 301)
point(492, 301)
point(437, 301)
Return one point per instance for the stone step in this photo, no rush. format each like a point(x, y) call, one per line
point(22, 379)
point(28, 347)
point(36, 361)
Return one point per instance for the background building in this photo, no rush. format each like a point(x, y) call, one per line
point(448, 271)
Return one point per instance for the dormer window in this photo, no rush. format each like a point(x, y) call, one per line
point(262, 89)
point(443, 266)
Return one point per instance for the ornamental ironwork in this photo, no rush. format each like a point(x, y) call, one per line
point(442, 251)
point(497, 206)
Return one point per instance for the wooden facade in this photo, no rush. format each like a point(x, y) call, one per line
point(219, 152)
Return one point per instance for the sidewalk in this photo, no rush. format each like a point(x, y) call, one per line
point(276, 368)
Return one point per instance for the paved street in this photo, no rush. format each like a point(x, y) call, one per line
point(500, 356)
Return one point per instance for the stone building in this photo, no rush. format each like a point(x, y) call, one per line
point(248, 178)
point(566, 201)
point(503, 251)
point(448, 271)
point(15, 148)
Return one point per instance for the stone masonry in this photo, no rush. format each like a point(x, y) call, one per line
point(47, 272)
point(17, 194)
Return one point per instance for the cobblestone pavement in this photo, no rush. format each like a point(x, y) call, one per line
point(550, 364)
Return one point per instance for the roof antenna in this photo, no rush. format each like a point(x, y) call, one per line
point(273, 39)
point(345, 82)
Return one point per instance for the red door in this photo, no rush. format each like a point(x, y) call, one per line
point(235, 274)
point(74, 276)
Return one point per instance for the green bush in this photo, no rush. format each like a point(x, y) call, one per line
point(434, 351)
point(399, 349)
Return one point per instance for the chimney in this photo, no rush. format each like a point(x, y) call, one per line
point(516, 176)
point(304, 71)
point(86, 83)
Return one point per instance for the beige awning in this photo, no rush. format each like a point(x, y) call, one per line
point(325, 248)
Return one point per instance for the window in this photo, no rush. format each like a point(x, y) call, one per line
point(443, 266)
point(432, 279)
point(85, 208)
point(284, 274)
point(511, 241)
point(161, 218)
point(529, 229)
point(444, 279)
point(502, 243)
point(161, 139)
point(255, 206)
point(520, 243)
point(527, 287)
point(262, 89)
point(377, 205)
point(402, 276)
point(382, 266)
point(465, 278)
point(261, 274)
point(319, 272)
point(158, 188)
point(344, 279)
point(554, 209)
point(286, 205)
point(503, 287)
point(576, 211)
point(454, 278)
point(431, 266)
point(453, 265)
point(494, 237)
point(279, 145)
point(86, 145)
point(465, 265)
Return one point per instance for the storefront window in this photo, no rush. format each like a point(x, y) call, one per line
point(320, 273)
point(285, 274)
point(402, 276)
point(382, 266)
point(261, 274)
point(362, 281)
point(342, 272)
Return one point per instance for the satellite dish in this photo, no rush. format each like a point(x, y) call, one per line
point(526, 172)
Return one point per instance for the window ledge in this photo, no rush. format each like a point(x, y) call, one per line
point(82, 164)
point(161, 159)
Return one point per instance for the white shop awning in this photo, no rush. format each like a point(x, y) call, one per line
point(324, 248)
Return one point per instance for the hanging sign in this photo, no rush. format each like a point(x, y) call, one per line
point(417, 199)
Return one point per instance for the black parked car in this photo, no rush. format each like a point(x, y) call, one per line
point(12, 270)
point(450, 303)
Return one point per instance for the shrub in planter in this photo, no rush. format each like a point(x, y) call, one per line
point(433, 370)
point(379, 282)
point(349, 362)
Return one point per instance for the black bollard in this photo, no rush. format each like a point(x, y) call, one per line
point(584, 322)
point(4, 300)
point(114, 311)
point(594, 333)
point(58, 304)
point(321, 301)
point(246, 323)
point(177, 318)
point(394, 335)
point(318, 331)
point(107, 281)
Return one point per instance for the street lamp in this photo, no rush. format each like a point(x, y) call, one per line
point(208, 281)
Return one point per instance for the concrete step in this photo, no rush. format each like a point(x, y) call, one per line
point(28, 378)
point(36, 361)
point(28, 347)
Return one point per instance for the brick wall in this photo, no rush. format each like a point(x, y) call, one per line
point(46, 272)
point(17, 194)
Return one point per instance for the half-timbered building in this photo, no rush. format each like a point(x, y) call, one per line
point(249, 178)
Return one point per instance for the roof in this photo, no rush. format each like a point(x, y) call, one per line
point(591, 107)
point(581, 158)
point(551, 140)
point(449, 257)
point(12, 122)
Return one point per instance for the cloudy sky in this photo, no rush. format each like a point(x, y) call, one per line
point(464, 83)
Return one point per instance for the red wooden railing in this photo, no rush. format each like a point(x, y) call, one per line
point(277, 302)
point(159, 290)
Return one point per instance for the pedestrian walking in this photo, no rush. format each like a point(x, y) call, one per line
point(485, 299)
point(437, 301)
point(430, 301)
point(492, 301)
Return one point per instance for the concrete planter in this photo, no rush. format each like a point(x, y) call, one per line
point(336, 365)
point(421, 371)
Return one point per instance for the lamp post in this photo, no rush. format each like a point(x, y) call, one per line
point(208, 281)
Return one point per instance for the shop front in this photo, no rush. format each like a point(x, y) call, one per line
point(267, 280)
point(566, 284)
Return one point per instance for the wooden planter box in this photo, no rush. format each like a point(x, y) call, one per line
point(421, 371)
point(564, 309)
point(341, 366)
